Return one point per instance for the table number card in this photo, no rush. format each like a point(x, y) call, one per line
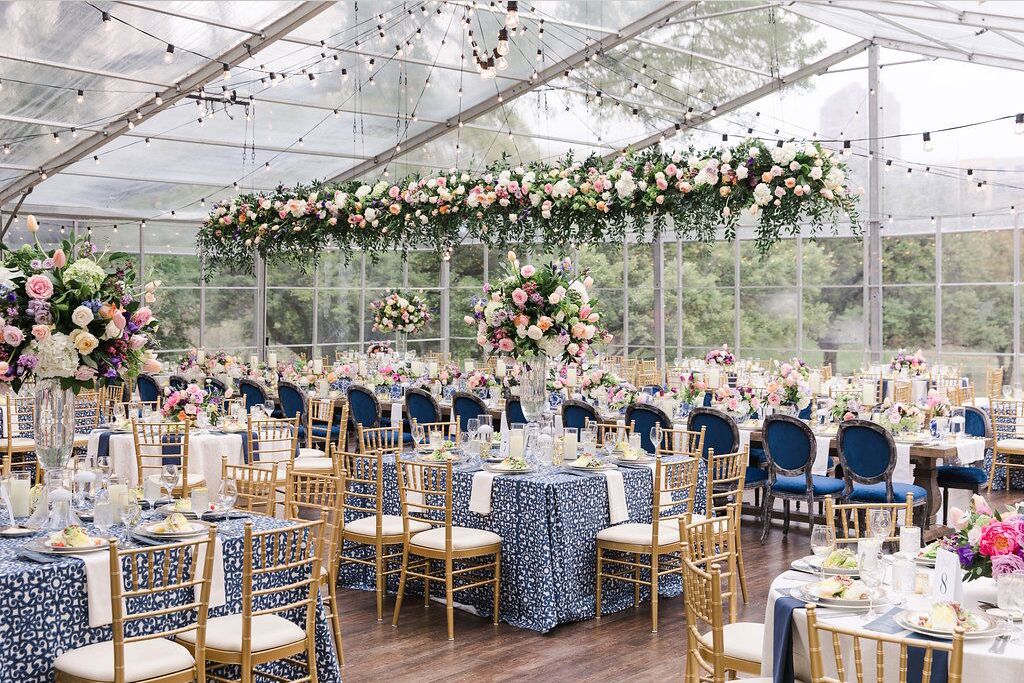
point(947, 582)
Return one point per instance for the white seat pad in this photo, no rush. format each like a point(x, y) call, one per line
point(310, 453)
point(742, 640)
point(640, 534)
point(142, 660)
point(194, 479)
point(1000, 443)
point(312, 464)
point(463, 538)
point(268, 631)
point(24, 442)
point(391, 525)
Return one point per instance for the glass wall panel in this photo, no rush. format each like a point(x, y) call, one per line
point(768, 319)
point(908, 318)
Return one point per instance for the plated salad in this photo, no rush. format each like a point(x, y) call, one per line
point(946, 616)
point(839, 588)
point(843, 558)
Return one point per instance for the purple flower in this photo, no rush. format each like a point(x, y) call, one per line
point(11, 297)
point(28, 361)
point(125, 300)
point(111, 373)
point(47, 263)
point(43, 318)
point(966, 554)
point(93, 305)
point(12, 312)
point(1006, 564)
point(35, 264)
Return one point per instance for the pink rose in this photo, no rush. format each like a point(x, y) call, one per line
point(119, 320)
point(958, 518)
point(528, 271)
point(585, 311)
point(151, 365)
point(980, 506)
point(506, 345)
point(142, 316)
point(137, 341)
point(59, 259)
point(998, 539)
point(84, 373)
point(579, 330)
point(13, 336)
point(519, 297)
point(40, 332)
point(39, 287)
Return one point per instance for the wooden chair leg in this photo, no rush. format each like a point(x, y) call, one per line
point(332, 592)
point(740, 570)
point(497, 585)
point(379, 581)
point(401, 585)
point(654, 590)
point(766, 515)
point(992, 472)
point(945, 506)
point(785, 517)
point(449, 598)
point(600, 580)
point(636, 577)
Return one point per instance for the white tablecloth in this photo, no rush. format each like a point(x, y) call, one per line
point(979, 663)
point(204, 456)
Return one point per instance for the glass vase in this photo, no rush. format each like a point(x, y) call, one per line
point(401, 343)
point(54, 432)
point(533, 380)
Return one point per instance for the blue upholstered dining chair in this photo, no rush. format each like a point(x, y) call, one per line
point(363, 407)
point(294, 403)
point(253, 392)
point(867, 454)
point(575, 414)
point(643, 417)
point(790, 447)
point(466, 406)
point(514, 412)
point(723, 436)
point(421, 406)
point(148, 387)
point(177, 383)
point(976, 423)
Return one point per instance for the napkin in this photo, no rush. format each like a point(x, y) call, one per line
point(745, 438)
point(822, 442)
point(617, 510)
point(217, 593)
point(970, 450)
point(782, 639)
point(396, 415)
point(480, 494)
point(904, 472)
point(97, 586)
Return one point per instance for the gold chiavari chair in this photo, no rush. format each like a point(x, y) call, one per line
point(1007, 416)
point(649, 374)
point(319, 422)
point(611, 430)
point(724, 648)
point(87, 416)
point(681, 442)
point(367, 528)
point(449, 430)
point(260, 634)
point(994, 382)
point(272, 444)
point(425, 490)
point(862, 641)
point(826, 372)
point(726, 477)
point(901, 392)
point(310, 494)
point(255, 486)
point(109, 396)
point(850, 521)
point(710, 542)
point(19, 437)
point(879, 386)
point(149, 655)
point(380, 439)
point(962, 396)
point(658, 542)
point(320, 432)
point(164, 443)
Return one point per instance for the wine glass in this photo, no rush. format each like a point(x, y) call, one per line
point(872, 571)
point(880, 523)
point(102, 468)
point(823, 541)
point(472, 427)
point(168, 478)
point(130, 511)
point(655, 436)
point(1017, 604)
point(417, 434)
point(227, 495)
point(268, 407)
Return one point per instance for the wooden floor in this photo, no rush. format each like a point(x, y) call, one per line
point(619, 647)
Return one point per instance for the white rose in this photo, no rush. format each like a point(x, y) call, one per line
point(741, 172)
point(534, 332)
point(111, 331)
point(82, 316)
point(625, 185)
point(370, 214)
point(362, 191)
point(794, 165)
point(815, 173)
point(762, 194)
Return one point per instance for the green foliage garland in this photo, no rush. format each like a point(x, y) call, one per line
point(569, 202)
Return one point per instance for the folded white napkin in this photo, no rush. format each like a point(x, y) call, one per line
point(744, 438)
point(97, 587)
point(617, 510)
point(822, 442)
point(904, 472)
point(218, 594)
point(396, 415)
point(970, 450)
point(480, 494)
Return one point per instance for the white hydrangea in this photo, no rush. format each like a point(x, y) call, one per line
point(57, 356)
point(561, 188)
point(625, 185)
point(741, 172)
point(785, 154)
point(815, 173)
point(362, 191)
point(835, 177)
point(762, 194)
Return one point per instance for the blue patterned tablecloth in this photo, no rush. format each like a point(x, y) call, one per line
point(44, 610)
point(548, 523)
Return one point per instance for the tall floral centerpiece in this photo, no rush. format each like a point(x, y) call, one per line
point(722, 357)
point(912, 364)
point(789, 388)
point(70, 318)
point(536, 314)
point(401, 313)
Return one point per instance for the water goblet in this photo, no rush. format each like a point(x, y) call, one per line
point(268, 408)
point(880, 524)
point(103, 511)
point(823, 540)
point(417, 434)
point(872, 572)
point(227, 495)
point(168, 478)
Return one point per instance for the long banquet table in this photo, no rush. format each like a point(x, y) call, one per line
point(548, 522)
point(44, 607)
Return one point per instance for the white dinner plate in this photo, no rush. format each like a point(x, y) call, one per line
point(198, 527)
point(169, 510)
point(642, 460)
point(908, 620)
point(924, 561)
point(498, 469)
point(801, 593)
point(814, 563)
point(600, 468)
point(42, 545)
point(454, 457)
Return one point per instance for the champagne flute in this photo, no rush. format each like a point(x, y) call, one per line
point(168, 478)
point(823, 541)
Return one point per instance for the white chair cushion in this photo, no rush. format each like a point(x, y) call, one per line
point(310, 453)
point(741, 640)
point(23, 442)
point(391, 525)
point(1001, 443)
point(463, 538)
point(640, 534)
point(313, 464)
point(142, 660)
point(194, 479)
point(81, 440)
point(268, 631)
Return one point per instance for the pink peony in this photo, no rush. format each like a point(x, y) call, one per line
point(39, 287)
point(59, 259)
point(998, 539)
point(527, 271)
point(13, 336)
point(41, 332)
point(142, 316)
point(137, 341)
point(506, 345)
point(84, 373)
point(119, 320)
point(520, 297)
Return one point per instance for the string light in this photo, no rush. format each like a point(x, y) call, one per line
point(80, 97)
point(169, 54)
point(226, 73)
point(344, 75)
point(131, 125)
point(138, 114)
point(301, 142)
point(96, 159)
point(312, 80)
point(201, 124)
point(74, 133)
point(846, 148)
point(7, 149)
point(147, 142)
point(511, 14)
point(56, 138)
point(1018, 126)
point(159, 99)
point(108, 25)
point(928, 146)
point(502, 48)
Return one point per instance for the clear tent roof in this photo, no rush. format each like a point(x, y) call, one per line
point(64, 74)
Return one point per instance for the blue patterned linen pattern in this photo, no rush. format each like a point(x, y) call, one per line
point(548, 522)
point(44, 610)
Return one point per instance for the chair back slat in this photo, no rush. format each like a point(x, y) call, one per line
point(255, 485)
point(162, 443)
point(682, 442)
point(850, 521)
point(425, 491)
point(271, 440)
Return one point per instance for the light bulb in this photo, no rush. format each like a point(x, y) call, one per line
point(227, 72)
point(1018, 126)
point(511, 18)
point(928, 146)
point(501, 63)
point(107, 23)
point(159, 100)
point(131, 125)
point(97, 160)
point(74, 133)
point(312, 80)
point(7, 149)
point(147, 142)
point(169, 54)
point(540, 55)
point(80, 97)
point(503, 42)
point(344, 75)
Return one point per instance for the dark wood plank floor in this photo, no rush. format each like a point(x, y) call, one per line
point(619, 647)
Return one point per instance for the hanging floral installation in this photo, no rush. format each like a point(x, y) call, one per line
point(693, 193)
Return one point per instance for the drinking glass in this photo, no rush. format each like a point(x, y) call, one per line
point(570, 442)
point(1006, 584)
point(880, 522)
point(169, 477)
point(1017, 604)
point(268, 408)
point(103, 511)
point(904, 575)
point(200, 498)
point(130, 512)
point(228, 495)
point(588, 442)
point(465, 438)
point(655, 436)
point(472, 436)
point(823, 540)
point(417, 434)
point(872, 571)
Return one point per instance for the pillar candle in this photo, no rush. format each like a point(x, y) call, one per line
point(470, 365)
point(253, 361)
point(118, 494)
point(910, 540)
point(272, 359)
point(200, 355)
point(714, 377)
point(516, 444)
point(815, 383)
point(433, 368)
point(868, 392)
point(499, 367)
point(19, 492)
point(570, 376)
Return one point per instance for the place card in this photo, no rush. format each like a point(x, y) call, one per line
point(947, 581)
